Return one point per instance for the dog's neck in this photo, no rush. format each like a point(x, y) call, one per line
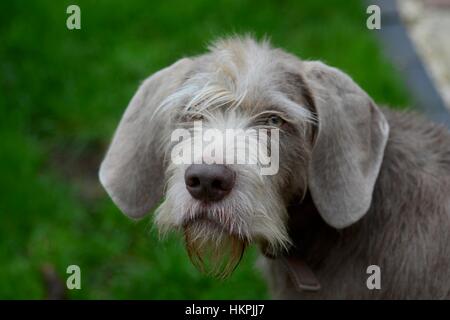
point(312, 238)
point(312, 241)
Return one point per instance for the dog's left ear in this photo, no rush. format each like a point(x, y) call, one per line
point(349, 145)
point(132, 172)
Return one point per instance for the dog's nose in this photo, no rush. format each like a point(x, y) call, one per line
point(209, 182)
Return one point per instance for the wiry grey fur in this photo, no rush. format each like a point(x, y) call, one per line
point(405, 231)
point(357, 186)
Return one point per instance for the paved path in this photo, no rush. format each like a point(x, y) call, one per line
point(428, 24)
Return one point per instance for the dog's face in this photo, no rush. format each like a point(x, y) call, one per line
point(249, 91)
point(228, 205)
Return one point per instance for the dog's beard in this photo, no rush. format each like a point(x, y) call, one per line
point(216, 235)
point(212, 249)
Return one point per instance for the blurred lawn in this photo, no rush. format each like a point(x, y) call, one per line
point(62, 94)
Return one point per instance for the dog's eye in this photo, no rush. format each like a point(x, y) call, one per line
point(196, 117)
point(191, 117)
point(275, 121)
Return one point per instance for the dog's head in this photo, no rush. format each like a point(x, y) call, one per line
point(323, 132)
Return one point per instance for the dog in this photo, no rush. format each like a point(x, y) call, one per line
point(358, 186)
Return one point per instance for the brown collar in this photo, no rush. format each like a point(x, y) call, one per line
point(312, 239)
point(300, 274)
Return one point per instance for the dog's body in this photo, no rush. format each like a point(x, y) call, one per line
point(356, 186)
point(405, 233)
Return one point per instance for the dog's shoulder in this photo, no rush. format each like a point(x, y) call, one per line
point(417, 144)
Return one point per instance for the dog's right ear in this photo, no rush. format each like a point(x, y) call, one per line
point(132, 171)
point(349, 147)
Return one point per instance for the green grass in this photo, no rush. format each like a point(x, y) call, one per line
point(62, 94)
